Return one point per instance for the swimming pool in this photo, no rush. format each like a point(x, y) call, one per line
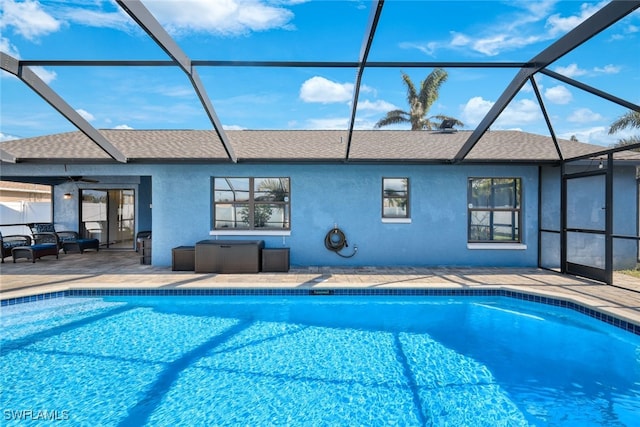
point(314, 360)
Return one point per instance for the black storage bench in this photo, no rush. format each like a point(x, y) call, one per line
point(228, 256)
point(275, 260)
point(183, 258)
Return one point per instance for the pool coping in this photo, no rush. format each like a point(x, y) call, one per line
point(541, 298)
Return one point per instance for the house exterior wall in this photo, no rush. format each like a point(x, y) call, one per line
point(346, 195)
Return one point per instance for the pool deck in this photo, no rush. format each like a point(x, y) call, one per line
point(122, 270)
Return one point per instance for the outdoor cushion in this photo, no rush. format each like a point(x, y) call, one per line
point(42, 246)
point(44, 228)
point(65, 239)
point(12, 244)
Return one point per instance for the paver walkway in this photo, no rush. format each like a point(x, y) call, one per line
point(122, 269)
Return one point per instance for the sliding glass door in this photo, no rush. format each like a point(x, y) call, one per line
point(109, 215)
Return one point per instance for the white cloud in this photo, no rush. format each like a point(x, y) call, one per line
point(497, 43)
point(233, 127)
point(517, 113)
point(85, 115)
point(319, 89)
point(608, 69)
point(595, 135)
point(426, 48)
point(223, 17)
point(9, 48)
point(507, 33)
point(459, 39)
point(474, 110)
point(45, 75)
point(561, 25)
point(5, 137)
point(584, 115)
point(177, 91)
point(511, 31)
point(558, 95)
point(27, 19)
point(376, 106)
point(125, 127)
point(571, 70)
point(328, 124)
point(97, 18)
point(336, 123)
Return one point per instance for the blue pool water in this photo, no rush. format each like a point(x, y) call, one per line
point(314, 361)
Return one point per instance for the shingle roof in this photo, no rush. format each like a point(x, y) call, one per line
point(300, 145)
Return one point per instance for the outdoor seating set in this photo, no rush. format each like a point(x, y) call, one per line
point(44, 240)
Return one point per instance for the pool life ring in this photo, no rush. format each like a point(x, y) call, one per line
point(336, 241)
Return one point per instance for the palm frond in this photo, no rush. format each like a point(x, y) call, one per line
point(628, 141)
point(393, 118)
point(630, 119)
point(411, 89)
point(430, 87)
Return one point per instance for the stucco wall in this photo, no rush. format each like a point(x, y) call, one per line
point(349, 196)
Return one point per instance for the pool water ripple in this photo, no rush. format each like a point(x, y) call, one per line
point(317, 361)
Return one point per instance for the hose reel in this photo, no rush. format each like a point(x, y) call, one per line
point(336, 241)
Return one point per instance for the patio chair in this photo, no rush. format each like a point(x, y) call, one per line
point(68, 241)
point(13, 241)
point(44, 244)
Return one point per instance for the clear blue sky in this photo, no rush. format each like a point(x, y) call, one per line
point(301, 98)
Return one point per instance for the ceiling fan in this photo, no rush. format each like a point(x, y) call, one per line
point(82, 179)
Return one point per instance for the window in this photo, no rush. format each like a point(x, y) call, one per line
point(251, 203)
point(395, 197)
point(494, 210)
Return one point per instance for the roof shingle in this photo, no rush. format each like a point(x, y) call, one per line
point(300, 145)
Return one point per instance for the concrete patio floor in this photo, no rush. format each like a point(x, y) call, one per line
point(122, 269)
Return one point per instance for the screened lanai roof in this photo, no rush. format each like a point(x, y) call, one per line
point(564, 70)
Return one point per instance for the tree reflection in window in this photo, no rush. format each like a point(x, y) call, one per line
point(251, 203)
point(395, 197)
point(494, 209)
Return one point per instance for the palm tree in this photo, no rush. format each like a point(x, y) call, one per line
point(420, 103)
point(630, 119)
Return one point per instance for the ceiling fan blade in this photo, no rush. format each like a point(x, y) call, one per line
point(82, 179)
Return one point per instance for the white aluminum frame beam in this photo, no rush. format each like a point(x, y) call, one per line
point(150, 24)
point(374, 17)
point(12, 65)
